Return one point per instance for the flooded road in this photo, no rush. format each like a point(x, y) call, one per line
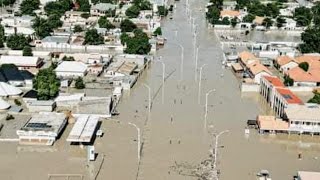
point(175, 132)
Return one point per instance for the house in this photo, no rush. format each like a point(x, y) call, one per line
point(256, 70)
point(42, 128)
point(54, 42)
point(290, 24)
point(13, 76)
point(285, 63)
point(84, 129)
point(7, 90)
point(22, 62)
point(303, 78)
point(18, 21)
point(98, 106)
point(267, 85)
point(4, 105)
point(246, 58)
point(100, 9)
point(303, 118)
point(230, 14)
point(27, 31)
point(70, 69)
point(308, 175)
point(66, 101)
point(258, 20)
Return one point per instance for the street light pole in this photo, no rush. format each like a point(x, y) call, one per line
point(200, 77)
point(206, 108)
point(149, 101)
point(163, 77)
point(139, 142)
point(182, 59)
point(196, 65)
point(216, 148)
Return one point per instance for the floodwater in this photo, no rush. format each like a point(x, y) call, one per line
point(175, 133)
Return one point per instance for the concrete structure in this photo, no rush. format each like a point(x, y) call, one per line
point(27, 31)
point(256, 70)
point(71, 69)
point(4, 105)
point(285, 63)
point(22, 62)
point(303, 118)
point(277, 96)
point(7, 90)
point(98, 106)
point(308, 175)
point(42, 129)
point(40, 106)
point(67, 101)
point(18, 21)
point(100, 9)
point(55, 42)
point(84, 129)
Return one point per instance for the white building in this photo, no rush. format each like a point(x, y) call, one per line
point(4, 105)
point(42, 128)
point(54, 42)
point(27, 31)
point(40, 106)
point(71, 69)
point(100, 9)
point(17, 21)
point(308, 175)
point(22, 62)
point(9, 90)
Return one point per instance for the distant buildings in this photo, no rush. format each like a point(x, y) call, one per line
point(71, 69)
point(22, 62)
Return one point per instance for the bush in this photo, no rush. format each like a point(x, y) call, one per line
point(9, 117)
point(304, 66)
point(17, 102)
point(79, 83)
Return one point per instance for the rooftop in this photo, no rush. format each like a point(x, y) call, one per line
point(271, 123)
point(9, 90)
point(56, 39)
point(83, 129)
point(310, 112)
point(231, 13)
point(20, 60)
point(299, 75)
point(246, 55)
point(71, 66)
point(289, 96)
point(257, 68)
point(283, 60)
point(104, 6)
point(307, 175)
point(275, 81)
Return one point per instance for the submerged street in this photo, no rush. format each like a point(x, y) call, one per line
point(175, 134)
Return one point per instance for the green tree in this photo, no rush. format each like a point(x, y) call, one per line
point(225, 21)
point(280, 21)
point(46, 83)
point(93, 38)
point(54, 21)
point(217, 3)
point(138, 44)
point(315, 98)
point(84, 5)
point(234, 22)
point(27, 51)
point(288, 81)
point(105, 23)
point(17, 42)
point(85, 15)
point(124, 37)
point(158, 31)
point(1, 43)
point(28, 6)
point(2, 37)
point(248, 18)
point(79, 84)
point(311, 40)
point(58, 7)
point(133, 11)
point(213, 14)
point(303, 16)
point(77, 28)
point(316, 13)
point(162, 11)
point(68, 58)
point(41, 27)
point(304, 66)
point(127, 26)
point(267, 22)
point(143, 4)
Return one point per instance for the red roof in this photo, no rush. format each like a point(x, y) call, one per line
point(276, 82)
point(289, 96)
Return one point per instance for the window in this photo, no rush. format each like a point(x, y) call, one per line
point(308, 123)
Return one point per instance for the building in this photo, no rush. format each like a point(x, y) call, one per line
point(42, 129)
point(71, 69)
point(40, 106)
point(27, 31)
point(84, 129)
point(256, 70)
point(22, 62)
point(13, 76)
point(277, 95)
point(4, 105)
point(308, 175)
point(7, 90)
point(18, 21)
point(98, 106)
point(303, 118)
point(101, 9)
point(246, 58)
point(54, 42)
point(285, 63)
point(303, 78)
point(230, 14)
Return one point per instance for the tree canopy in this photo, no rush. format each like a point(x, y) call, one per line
point(84, 5)
point(7, 2)
point(93, 38)
point(41, 27)
point(105, 23)
point(143, 4)
point(58, 7)
point(79, 84)
point(138, 44)
point(315, 98)
point(158, 31)
point(248, 18)
point(280, 21)
point(46, 83)
point(162, 11)
point(2, 37)
point(288, 81)
point(133, 11)
point(234, 22)
point(304, 66)
point(213, 14)
point(303, 16)
point(27, 51)
point(68, 58)
point(28, 6)
point(256, 8)
point(17, 42)
point(77, 28)
point(267, 22)
point(127, 26)
point(104, 1)
point(311, 40)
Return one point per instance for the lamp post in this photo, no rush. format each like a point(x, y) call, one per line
point(196, 64)
point(216, 148)
point(200, 77)
point(206, 108)
point(163, 77)
point(149, 100)
point(139, 142)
